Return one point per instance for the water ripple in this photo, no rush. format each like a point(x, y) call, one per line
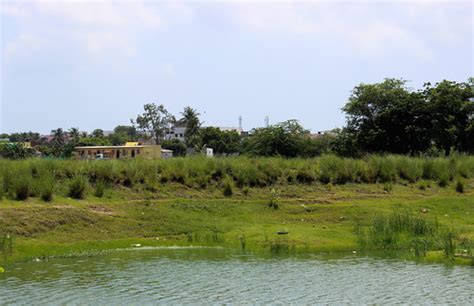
point(203, 276)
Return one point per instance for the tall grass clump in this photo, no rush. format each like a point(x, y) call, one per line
point(384, 168)
point(401, 230)
point(279, 246)
point(46, 189)
point(273, 201)
point(7, 245)
point(228, 187)
point(77, 187)
point(409, 168)
point(459, 187)
point(21, 188)
point(100, 188)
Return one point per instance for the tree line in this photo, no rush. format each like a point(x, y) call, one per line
point(385, 117)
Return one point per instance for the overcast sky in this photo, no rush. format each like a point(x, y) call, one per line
point(93, 64)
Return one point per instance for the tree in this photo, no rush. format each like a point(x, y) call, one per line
point(178, 148)
point(451, 114)
point(98, 133)
point(122, 134)
point(222, 142)
point(74, 135)
point(24, 137)
point(387, 117)
point(286, 139)
point(155, 121)
point(193, 124)
point(15, 150)
point(58, 135)
point(129, 131)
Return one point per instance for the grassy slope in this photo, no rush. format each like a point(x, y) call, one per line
point(318, 217)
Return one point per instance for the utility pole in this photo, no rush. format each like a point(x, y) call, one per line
point(267, 121)
point(240, 121)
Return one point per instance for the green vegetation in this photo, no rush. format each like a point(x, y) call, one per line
point(35, 177)
point(382, 118)
point(242, 203)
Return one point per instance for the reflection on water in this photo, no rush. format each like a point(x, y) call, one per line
point(218, 276)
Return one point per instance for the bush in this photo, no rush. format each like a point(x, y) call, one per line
point(443, 181)
point(228, 186)
point(47, 195)
point(459, 186)
point(388, 187)
point(77, 187)
point(99, 189)
point(423, 185)
point(21, 188)
point(274, 196)
point(46, 190)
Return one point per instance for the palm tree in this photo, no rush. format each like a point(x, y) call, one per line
point(193, 124)
point(74, 134)
point(58, 135)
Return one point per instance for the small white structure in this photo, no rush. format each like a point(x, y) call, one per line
point(165, 153)
point(209, 152)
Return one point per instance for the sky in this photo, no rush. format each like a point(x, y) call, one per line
point(93, 64)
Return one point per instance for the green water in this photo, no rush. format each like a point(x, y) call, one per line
point(213, 275)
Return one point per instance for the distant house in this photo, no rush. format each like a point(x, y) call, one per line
point(165, 153)
point(119, 152)
point(177, 131)
point(320, 134)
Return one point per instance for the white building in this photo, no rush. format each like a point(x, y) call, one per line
point(165, 153)
point(177, 131)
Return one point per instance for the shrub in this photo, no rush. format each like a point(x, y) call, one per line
point(388, 187)
point(99, 189)
point(21, 188)
point(2, 190)
point(47, 195)
point(274, 196)
point(459, 186)
point(443, 181)
point(423, 185)
point(77, 187)
point(46, 190)
point(228, 186)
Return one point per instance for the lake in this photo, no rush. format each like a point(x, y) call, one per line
point(214, 275)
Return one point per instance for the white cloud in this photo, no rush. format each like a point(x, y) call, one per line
point(95, 26)
point(368, 28)
point(22, 45)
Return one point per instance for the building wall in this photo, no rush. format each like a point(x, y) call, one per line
point(176, 133)
point(147, 152)
point(151, 152)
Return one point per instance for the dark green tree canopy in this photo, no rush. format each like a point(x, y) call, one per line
point(389, 117)
point(285, 139)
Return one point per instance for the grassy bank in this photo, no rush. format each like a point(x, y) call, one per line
point(393, 204)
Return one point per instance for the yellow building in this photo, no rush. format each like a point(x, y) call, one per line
point(118, 152)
